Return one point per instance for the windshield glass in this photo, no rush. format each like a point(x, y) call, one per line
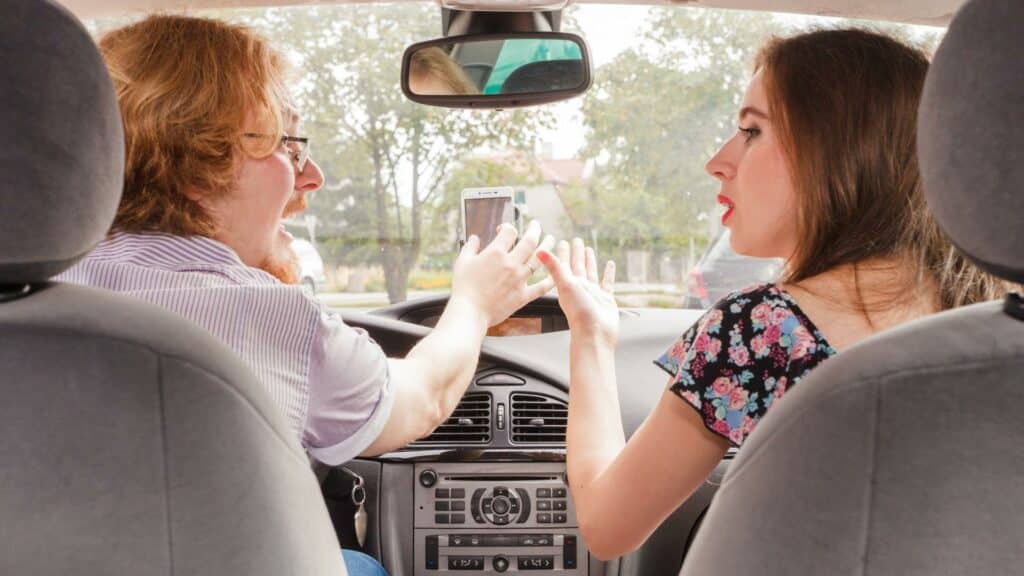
point(621, 167)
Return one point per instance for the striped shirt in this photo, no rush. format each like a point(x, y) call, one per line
point(329, 379)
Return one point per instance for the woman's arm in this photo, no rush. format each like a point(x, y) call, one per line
point(622, 491)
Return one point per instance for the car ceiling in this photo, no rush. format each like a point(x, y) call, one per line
point(929, 12)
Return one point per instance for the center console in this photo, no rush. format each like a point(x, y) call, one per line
point(493, 518)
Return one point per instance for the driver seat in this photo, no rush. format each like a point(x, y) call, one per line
point(131, 441)
point(902, 455)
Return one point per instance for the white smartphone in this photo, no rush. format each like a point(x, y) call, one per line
point(484, 209)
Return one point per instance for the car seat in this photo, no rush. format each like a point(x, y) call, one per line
point(131, 441)
point(902, 455)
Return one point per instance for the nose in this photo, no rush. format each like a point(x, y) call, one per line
point(721, 166)
point(311, 179)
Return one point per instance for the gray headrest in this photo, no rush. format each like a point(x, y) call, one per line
point(971, 129)
point(62, 159)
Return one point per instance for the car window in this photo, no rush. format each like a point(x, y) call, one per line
point(621, 166)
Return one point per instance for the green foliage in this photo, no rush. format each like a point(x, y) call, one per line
point(656, 113)
point(386, 160)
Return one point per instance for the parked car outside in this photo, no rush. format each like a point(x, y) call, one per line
point(311, 264)
point(721, 271)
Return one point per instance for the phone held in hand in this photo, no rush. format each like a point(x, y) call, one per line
point(483, 210)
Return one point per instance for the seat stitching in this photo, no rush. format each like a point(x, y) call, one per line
point(872, 478)
point(166, 460)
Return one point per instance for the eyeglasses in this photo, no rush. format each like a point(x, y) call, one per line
point(298, 148)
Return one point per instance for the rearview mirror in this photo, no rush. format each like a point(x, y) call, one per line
point(496, 70)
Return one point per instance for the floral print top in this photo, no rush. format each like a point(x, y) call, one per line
point(743, 355)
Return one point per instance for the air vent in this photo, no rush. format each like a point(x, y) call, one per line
point(538, 419)
point(470, 424)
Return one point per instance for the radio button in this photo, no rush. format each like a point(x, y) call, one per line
point(544, 505)
point(569, 553)
point(458, 492)
point(559, 493)
point(559, 505)
point(440, 493)
point(428, 478)
point(524, 498)
point(460, 505)
point(543, 492)
point(544, 518)
point(501, 505)
point(431, 553)
point(441, 506)
point(458, 518)
point(560, 519)
point(536, 562)
point(465, 562)
point(441, 518)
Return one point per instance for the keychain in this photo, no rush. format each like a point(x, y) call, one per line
point(358, 497)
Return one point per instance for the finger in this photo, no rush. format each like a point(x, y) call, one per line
point(471, 247)
point(591, 265)
point(526, 246)
point(546, 245)
point(539, 289)
point(578, 260)
point(506, 237)
point(608, 282)
point(562, 251)
point(558, 270)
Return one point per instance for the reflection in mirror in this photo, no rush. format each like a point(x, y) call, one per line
point(496, 67)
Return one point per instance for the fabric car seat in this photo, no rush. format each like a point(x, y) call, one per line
point(544, 76)
point(903, 455)
point(131, 441)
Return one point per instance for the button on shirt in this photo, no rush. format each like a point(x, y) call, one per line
point(329, 379)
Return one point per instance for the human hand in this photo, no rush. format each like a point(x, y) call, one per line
point(494, 280)
point(590, 307)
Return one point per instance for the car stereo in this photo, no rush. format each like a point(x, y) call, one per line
point(490, 518)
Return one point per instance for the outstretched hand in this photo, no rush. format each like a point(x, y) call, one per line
point(589, 304)
point(495, 279)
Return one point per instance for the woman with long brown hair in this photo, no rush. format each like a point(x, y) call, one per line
point(822, 172)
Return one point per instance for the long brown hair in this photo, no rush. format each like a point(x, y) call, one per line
point(845, 103)
point(186, 87)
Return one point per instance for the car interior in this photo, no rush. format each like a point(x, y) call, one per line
point(898, 457)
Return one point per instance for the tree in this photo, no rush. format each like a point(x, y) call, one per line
point(656, 113)
point(386, 159)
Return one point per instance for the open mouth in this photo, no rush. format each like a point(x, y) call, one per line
point(729, 206)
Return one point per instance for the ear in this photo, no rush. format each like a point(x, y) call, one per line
point(193, 194)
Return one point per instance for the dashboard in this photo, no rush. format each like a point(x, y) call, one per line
point(487, 493)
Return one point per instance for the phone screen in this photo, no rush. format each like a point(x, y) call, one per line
point(484, 215)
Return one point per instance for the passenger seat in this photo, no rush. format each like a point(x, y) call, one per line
point(905, 454)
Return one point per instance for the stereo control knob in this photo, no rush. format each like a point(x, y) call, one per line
point(500, 563)
point(500, 505)
point(428, 478)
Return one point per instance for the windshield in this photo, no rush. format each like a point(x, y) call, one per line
point(621, 167)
